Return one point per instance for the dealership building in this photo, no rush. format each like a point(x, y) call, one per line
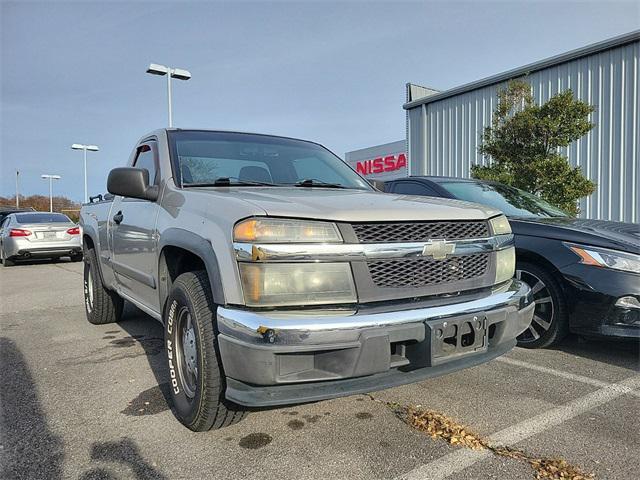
point(444, 129)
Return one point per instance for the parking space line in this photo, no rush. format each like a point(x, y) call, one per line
point(567, 375)
point(459, 460)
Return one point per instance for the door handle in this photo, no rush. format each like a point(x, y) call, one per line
point(118, 217)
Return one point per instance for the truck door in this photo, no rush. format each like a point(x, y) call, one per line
point(134, 236)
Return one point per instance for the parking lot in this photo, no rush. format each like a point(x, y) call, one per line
point(87, 402)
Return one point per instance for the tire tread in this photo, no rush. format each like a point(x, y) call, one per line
point(214, 411)
point(107, 304)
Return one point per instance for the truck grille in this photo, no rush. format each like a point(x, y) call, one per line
point(419, 231)
point(424, 272)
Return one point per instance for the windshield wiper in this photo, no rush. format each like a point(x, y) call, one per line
point(228, 182)
point(311, 182)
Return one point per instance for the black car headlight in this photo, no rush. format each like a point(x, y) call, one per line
point(605, 258)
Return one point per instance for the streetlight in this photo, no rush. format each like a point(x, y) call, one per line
point(51, 179)
point(180, 74)
point(17, 190)
point(84, 148)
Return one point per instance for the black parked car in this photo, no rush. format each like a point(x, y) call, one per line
point(585, 274)
point(6, 211)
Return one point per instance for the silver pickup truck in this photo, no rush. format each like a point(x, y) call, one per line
point(281, 276)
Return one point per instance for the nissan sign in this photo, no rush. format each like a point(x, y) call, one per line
point(382, 162)
point(380, 165)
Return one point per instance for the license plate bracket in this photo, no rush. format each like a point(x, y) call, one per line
point(457, 337)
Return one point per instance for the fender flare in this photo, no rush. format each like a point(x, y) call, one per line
point(197, 245)
point(89, 231)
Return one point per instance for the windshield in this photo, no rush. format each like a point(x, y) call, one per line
point(42, 218)
point(207, 158)
point(512, 201)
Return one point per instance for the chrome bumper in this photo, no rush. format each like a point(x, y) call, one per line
point(312, 327)
point(263, 352)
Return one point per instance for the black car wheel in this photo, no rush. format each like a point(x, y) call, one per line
point(549, 325)
point(195, 368)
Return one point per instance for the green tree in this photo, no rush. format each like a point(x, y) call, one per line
point(524, 142)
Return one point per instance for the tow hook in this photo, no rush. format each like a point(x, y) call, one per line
point(268, 334)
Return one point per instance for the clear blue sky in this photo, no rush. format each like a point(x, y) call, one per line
point(330, 72)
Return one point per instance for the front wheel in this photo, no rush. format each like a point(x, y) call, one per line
point(195, 369)
point(550, 323)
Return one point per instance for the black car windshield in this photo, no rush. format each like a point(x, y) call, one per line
point(42, 218)
point(512, 201)
point(227, 159)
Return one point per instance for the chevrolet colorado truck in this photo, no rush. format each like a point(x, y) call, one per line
point(281, 276)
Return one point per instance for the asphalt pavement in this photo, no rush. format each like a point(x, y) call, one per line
point(80, 401)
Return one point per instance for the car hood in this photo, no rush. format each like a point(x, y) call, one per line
point(599, 233)
point(355, 205)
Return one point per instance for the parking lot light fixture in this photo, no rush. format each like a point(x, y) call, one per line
point(84, 148)
point(170, 72)
point(51, 178)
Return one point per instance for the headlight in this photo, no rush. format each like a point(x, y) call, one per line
point(500, 225)
point(602, 257)
point(276, 284)
point(278, 230)
point(505, 264)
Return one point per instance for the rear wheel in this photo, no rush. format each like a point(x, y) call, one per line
point(195, 368)
point(76, 258)
point(101, 304)
point(6, 261)
point(549, 324)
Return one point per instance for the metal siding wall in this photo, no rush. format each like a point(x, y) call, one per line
point(445, 134)
point(416, 138)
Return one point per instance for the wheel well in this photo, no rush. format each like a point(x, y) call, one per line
point(175, 261)
point(87, 242)
point(539, 260)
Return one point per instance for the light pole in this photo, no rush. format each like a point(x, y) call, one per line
point(51, 179)
point(180, 74)
point(84, 148)
point(17, 190)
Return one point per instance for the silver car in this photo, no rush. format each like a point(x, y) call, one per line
point(27, 235)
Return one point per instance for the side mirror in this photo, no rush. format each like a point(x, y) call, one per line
point(131, 182)
point(377, 184)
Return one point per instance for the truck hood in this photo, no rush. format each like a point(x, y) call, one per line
point(355, 205)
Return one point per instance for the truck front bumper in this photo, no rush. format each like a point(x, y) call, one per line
point(286, 357)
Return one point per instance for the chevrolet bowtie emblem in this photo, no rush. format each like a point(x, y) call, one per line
point(438, 249)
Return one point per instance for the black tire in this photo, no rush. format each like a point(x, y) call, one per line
point(100, 304)
point(551, 308)
point(195, 369)
point(76, 258)
point(6, 262)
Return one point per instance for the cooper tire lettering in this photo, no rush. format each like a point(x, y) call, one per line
point(172, 369)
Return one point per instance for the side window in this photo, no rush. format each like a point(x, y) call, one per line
point(413, 188)
point(146, 158)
